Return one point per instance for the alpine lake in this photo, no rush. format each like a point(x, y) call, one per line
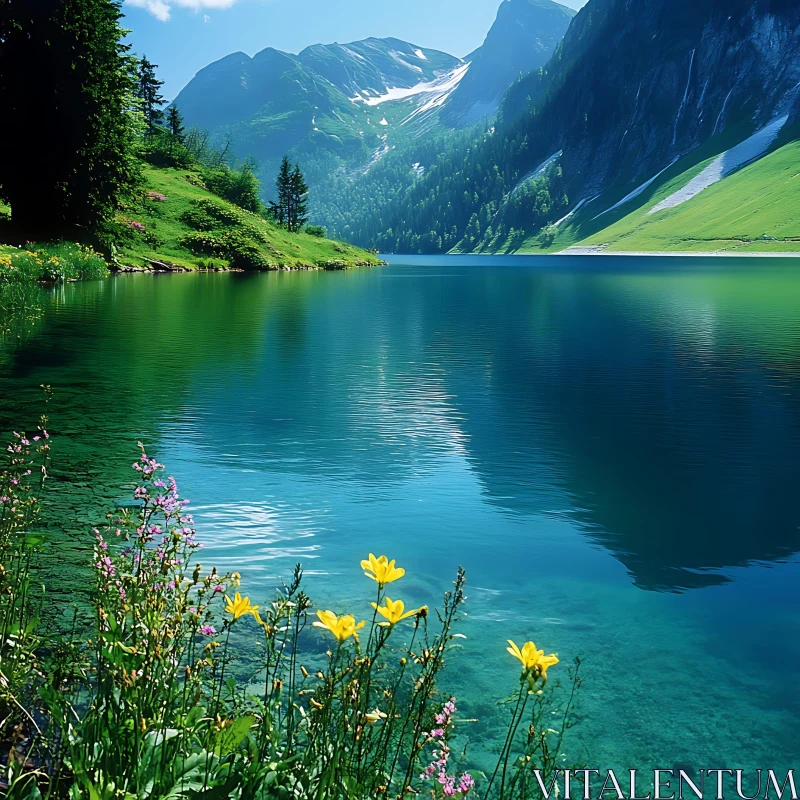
point(610, 446)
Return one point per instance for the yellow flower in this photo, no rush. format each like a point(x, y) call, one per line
point(374, 716)
point(393, 612)
point(261, 622)
point(240, 606)
point(341, 627)
point(532, 659)
point(381, 570)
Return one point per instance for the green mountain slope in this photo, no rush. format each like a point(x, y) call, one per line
point(755, 209)
point(190, 228)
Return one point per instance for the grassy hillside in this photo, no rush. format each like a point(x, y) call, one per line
point(756, 209)
point(182, 224)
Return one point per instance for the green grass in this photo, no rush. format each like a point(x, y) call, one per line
point(756, 209)
point(172, 224)
point(50, 262)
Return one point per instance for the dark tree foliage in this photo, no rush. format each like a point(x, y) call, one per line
point(464, 190)
point(175, 125)
point(291, 208)
point(298, 200)
point(67, 136)
point(148, 91)
point(279, 209)
point(175, 131)
point(238, 186)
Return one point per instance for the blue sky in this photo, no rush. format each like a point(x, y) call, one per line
point(182, 36)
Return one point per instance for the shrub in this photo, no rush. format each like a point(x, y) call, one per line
point(240, 187)
point(21, 640)
point(316, 230)
point(199, 219)
point(52, 262)
point(226, 232)
point(210, 214)
point(159, 711)
point(231, 244)
point(547, 235)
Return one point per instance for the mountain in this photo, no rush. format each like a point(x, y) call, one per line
point(524, 36)
point(681, 72)
point(330, 105)
point(342, 108)
point(636, 94)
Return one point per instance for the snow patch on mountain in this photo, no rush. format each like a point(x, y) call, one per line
point(580, 204)
point(444, 84)
point(353, 54)
point(726, 163)
point(398, 57)
point(437, 92)
point(420, 54)
point(540, 170)
point(636, 192)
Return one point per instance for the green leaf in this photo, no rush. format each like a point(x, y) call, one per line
point(229, 739)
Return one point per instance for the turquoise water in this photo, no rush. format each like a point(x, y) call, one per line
point(610, 447)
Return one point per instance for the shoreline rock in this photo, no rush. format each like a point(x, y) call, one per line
point(154, 267)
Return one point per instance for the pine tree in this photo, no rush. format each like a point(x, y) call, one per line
point(175, 128)
point(298, 192)
point(281, 209)
point(175, 124)
point(148, 91)
point(68, 135)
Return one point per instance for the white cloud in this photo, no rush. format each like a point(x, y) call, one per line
point(196, 5)
point(158, 8)
point(161, 9)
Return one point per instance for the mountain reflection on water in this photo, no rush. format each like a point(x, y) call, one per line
point(663, 406)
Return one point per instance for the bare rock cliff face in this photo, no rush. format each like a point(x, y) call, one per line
point(638, 83)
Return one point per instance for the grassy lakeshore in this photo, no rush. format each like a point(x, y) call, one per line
point(177, 224)
point(186, 226)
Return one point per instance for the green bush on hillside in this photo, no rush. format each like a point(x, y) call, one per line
point(225, 232)
point(316, 230)
point(240, 187)
point(231, 244)
point(207, 214)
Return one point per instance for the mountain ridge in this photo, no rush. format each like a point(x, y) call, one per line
point(346, 106)
point(522, 38)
